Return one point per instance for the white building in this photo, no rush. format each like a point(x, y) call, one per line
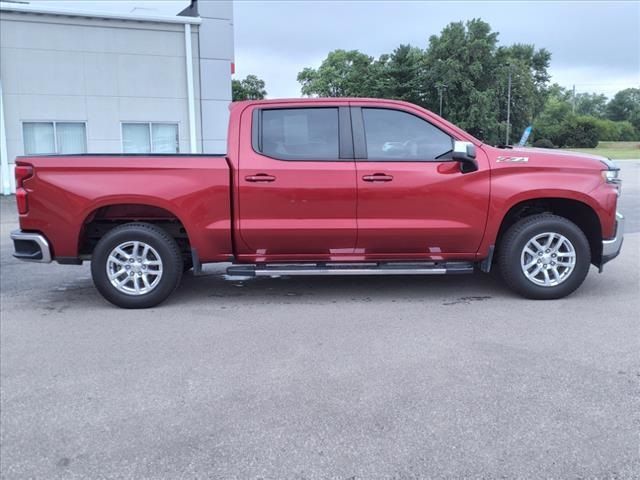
point(87, 82)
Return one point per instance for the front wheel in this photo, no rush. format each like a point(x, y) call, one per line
point(136, 265)
point(544, 257)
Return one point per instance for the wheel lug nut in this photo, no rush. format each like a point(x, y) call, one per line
point(131, 274)
point(553, 263)
point(131, 260)
point(548, 251)
point(545, 265)
point(539, 254)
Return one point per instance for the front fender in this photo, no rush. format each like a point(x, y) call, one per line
point(513, 186)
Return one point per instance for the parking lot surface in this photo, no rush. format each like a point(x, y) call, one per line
point(358, 377)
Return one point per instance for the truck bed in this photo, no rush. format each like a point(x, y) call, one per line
point(68, 194)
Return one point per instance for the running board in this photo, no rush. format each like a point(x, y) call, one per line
point(386, 268)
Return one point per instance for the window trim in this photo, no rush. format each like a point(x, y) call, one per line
point(345, 138)
point(360, 138)
point(149, 125)
point(55, 136)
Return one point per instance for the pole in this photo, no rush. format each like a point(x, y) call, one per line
point(573, 101)
point(193, 144)
point(4, 159)
point(508, 107)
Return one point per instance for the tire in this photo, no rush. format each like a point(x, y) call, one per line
point(570, 257)
point(138, 284)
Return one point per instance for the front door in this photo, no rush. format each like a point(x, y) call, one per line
point(296, 183)
point(413, 200)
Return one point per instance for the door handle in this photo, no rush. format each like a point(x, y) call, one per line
point(377, 177)
point(260, 177)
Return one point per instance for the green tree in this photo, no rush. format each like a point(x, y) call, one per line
point(558, 119)
point(400, 75)
point(529, 79)
point(249, 88)
point(559, 92)
point(342, 74)
point(625, 105)
point(592, 104)
point(556, 110)
point(463, 57)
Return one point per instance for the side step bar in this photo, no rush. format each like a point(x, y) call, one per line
point(382, 268)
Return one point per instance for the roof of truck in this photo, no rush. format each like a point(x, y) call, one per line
point(244, 103)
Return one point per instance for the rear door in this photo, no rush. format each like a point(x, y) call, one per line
point(413, 200)
point(296, 182)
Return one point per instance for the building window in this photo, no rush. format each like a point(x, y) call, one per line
point(54, 137)
point(150, 138)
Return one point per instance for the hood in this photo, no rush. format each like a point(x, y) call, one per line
point(543, 157)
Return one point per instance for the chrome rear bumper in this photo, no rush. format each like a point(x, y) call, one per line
point(30, 247)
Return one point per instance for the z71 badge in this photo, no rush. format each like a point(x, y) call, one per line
point(513, 159)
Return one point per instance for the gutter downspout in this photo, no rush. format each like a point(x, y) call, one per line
point(190, 90)
point(4, 157)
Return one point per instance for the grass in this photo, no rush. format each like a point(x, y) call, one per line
point(613, 150)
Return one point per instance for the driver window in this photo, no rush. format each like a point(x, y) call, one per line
point(394, 135)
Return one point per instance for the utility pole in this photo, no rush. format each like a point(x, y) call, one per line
point(573, 101)
point(441, 88)
point(508, 105)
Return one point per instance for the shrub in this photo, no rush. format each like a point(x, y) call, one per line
point(607, 130)
point(627, 132)
point(580, 132)
point(610, 131)
point(543, 143)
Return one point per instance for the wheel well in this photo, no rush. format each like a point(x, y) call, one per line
point(103, 219)
point(579, 213)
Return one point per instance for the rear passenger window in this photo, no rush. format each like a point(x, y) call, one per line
point(300, 134)
point(393, 135)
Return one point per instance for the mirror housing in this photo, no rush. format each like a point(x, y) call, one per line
point(465, 153)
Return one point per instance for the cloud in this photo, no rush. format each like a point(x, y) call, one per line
point(595, 45)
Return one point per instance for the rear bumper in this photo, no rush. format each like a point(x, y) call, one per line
point(611, 247)
point(30, 247)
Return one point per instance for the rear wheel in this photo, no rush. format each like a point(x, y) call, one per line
point(544, 257)
point(136, 265)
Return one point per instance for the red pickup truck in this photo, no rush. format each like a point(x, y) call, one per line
point(323, 187)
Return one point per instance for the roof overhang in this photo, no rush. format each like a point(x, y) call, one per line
point(27, 8)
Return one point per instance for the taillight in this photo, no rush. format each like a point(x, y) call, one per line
point(22, 173)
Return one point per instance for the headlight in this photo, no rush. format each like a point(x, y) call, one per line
point(611, 176)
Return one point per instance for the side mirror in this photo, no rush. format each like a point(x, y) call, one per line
point(465, 153)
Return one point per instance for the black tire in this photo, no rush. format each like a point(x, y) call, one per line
point(158, 239)
point(516, 238)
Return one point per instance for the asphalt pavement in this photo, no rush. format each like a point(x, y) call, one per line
point(314, 378)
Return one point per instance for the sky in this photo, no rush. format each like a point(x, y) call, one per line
point(595, 45)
